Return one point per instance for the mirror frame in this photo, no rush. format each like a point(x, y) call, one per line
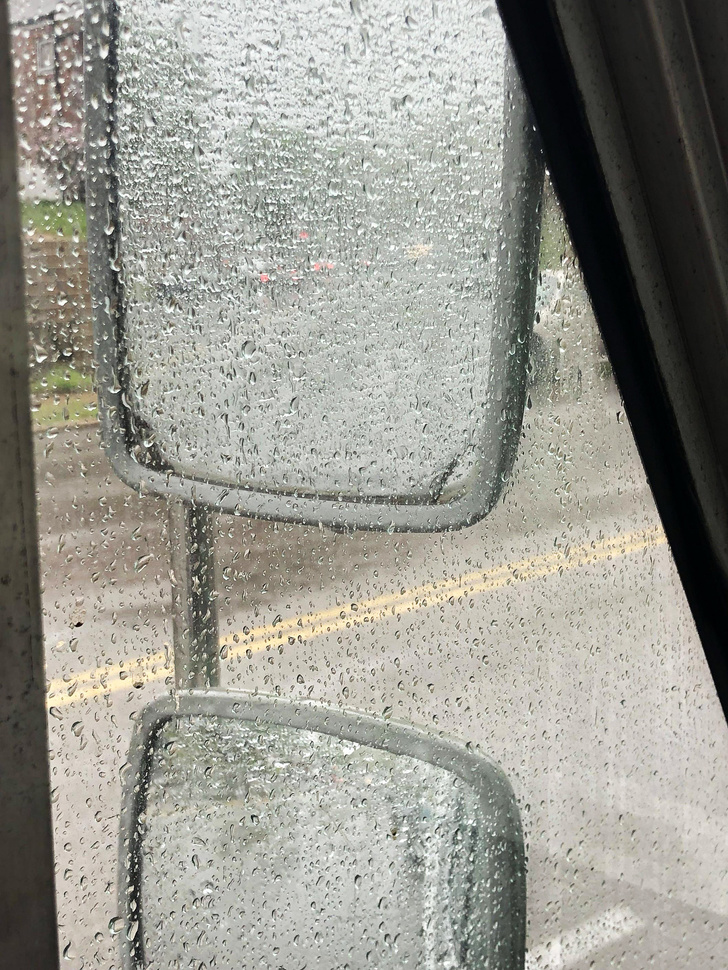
point(484, 776)
point(517, 271)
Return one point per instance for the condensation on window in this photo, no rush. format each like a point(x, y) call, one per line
point(553, 637)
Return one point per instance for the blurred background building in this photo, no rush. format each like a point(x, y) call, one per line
point(47, 38)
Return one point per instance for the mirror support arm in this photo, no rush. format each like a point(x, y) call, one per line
point(195, 627)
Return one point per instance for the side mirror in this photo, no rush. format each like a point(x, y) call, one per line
point(263, 833)
point(313, 251)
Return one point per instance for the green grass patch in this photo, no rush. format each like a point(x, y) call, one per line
point(54, 218)
point(555, 242)
point(60, 379)
point(54, 412)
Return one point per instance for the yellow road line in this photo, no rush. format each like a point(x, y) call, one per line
point(123, 676)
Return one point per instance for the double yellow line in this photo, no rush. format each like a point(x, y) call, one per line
point(158, 666)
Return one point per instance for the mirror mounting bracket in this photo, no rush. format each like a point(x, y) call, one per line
point(194, 603)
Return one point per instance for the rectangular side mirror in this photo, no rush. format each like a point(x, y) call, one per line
point(313, 245)
point(262, 833)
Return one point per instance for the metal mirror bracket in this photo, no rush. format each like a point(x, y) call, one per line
point(195, 627)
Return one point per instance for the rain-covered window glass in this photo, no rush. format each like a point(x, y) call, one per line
point(552, 637)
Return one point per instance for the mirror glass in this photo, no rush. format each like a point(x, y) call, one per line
point(309, 206)
point(269, 846)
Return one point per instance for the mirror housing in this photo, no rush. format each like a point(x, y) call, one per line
point(397, 813)
point(446, 501)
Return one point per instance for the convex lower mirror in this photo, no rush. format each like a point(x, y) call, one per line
point(265, 834)
point(313, 238)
